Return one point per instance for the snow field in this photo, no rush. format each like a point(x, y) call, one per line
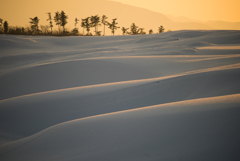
point(170, 96)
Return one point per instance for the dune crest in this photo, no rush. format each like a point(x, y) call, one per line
point(169, 96)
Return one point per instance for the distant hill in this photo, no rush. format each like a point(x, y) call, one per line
point(181, 19)
point(18, 13)
point(224, 25)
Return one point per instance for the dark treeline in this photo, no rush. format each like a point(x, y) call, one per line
point(89, 27)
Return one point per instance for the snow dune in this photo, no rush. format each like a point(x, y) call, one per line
point(170, 96)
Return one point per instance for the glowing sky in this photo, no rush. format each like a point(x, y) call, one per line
point(18, 12)
point(204, 10)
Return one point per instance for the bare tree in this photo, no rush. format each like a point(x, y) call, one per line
point(141, 31)
point(104, 22)
point(83, 25)
point(57, 20)
point(34, 24)
point(63, 20)
point(161, 29)
point(95, 22)
point(50, 20)
point(75, 30)
point(1, 23)
point(113, 26)
point(76, 22)
point(124, 30)
point(5, 25)
point(86, 23)
point(45, 29)
point(150, 31)
point(134, 29)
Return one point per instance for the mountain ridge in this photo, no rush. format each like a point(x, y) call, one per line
point(125, 14)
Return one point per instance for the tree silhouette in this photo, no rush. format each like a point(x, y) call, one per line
point(76, 22)
point(104, 22)
point(87, 24)
point(140, 30)
point(124, 30)
point(95, 22)
point(44, 29)
point(63, 20)
point(75, 30)
point(57, 20)
point(113, 26)
point(134, 29)
point(83, 25)
point(1, 23)
point(50, 20)
point(98, 33)
point(150, 31)
point(5, 25)
point(34, 24)
point(161, 29)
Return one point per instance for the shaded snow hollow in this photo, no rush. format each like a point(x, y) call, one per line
point(171, 96)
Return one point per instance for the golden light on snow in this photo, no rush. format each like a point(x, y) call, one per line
point(220, 47)
point(101, 98)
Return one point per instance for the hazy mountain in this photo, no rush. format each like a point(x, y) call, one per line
point(211, 24)
point(18, 13)
point(181, 19)
point(224, 25)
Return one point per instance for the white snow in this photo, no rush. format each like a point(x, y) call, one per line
point(170, 96)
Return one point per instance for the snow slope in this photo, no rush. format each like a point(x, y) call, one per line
point(170, 96)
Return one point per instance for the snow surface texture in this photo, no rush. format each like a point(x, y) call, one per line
point(171, 96)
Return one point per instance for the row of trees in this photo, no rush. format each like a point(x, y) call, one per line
point(3, 26)
point(60, 19)
point(135, 30)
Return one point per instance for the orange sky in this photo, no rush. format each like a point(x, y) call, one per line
point(204, 10)
point(18, 12)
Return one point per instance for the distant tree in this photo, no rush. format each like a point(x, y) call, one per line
point(45, 29)
point(124, 30)
point(161, 29)
point(34, 24)
point(76, 22)
point(63, 20)
point(86, 23)
point(57, 20)
point(5, 25)
point(134, 29)
point(75, 30)
point(28, 31)
point(113, 26)
point(98, 33)
point(95, 22)
point(83, 25)
point(50, 20)
point(140, 31)
point(15, 30)
point(23, 30)
point(104, 22)
point(150, 31)
point(1, 23)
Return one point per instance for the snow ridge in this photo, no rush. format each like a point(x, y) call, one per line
point(170, 96)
